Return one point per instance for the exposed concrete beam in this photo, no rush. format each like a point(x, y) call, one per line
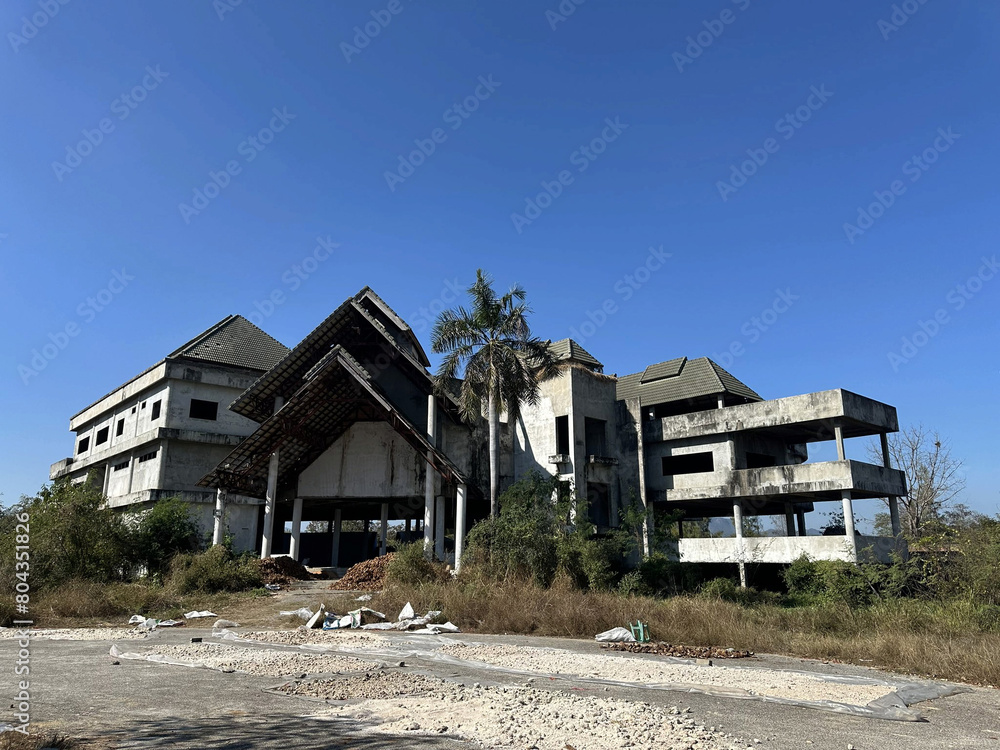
point(429, 480)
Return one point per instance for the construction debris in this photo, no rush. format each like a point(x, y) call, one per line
point(368, 575)
point(685, 652)
point(283, 570)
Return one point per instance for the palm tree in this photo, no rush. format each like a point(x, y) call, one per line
point(491, 348)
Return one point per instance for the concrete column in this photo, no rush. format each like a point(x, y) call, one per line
point(852, 542)
point(647, 528)
point(897, 528)
point(269, 509)
point(460, 498)
point(738, 523)
point(295, 546)
point(335, 551)
point(789, 520)
point(439, 527)
point(429, 479)
point(838, 433)
point(801, 517)
point(384, 530)
point(219, 528)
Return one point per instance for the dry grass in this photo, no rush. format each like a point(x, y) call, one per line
point(920, 638)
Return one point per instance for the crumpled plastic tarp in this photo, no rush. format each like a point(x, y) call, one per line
point(198, 613)
point(304, 612)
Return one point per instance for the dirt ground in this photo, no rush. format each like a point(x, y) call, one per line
point(272, 686)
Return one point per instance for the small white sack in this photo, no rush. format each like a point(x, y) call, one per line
point(203, 613)
point(406, 613)
point(305, 613)
point(615, 635)
point(136, 620)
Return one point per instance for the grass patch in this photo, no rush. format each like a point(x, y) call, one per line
point(939, 640)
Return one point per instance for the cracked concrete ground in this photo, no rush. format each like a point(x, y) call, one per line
point(138, 704)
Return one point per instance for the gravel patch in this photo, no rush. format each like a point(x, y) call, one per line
point(610, 666)
point(511, 717)
point(263, 662)
point(335, 638)
point(82, 634)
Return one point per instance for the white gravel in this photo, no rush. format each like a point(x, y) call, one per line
point(335, 638)
point(263, 662)
point(82, 634)
point(614, 666)
point(509, 717)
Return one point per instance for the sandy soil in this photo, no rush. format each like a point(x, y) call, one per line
point(82, 634)
point(267, 662)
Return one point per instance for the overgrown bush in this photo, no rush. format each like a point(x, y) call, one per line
point(410, 567)
point(727, 590)
point(73, 535)
point(213, 571)
point(167, 529)
point(535, 537)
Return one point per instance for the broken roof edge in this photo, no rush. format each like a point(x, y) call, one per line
point(367, 291)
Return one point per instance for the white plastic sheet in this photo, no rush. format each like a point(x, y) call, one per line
point(615, 635)
point(199, 613)
point(304, 612)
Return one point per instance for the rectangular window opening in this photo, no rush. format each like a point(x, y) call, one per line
point(120, 428)
point(599, 504)
point(562, 435)
point(690, 463)
point(155, 414)
point(119, 467)
point(204, 409)
point(148, 456)
point(760, 460)
point(102, 435)
point(595, 434)
point(83, 445)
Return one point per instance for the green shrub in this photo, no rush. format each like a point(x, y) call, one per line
point(213, 571)
point(165, 530)
point(632, 584)
point(665, 577)
point(410, 567)
point(720, 588)
point(535, 538)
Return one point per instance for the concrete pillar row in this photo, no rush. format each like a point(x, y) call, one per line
point(269, 502)
point(335, 550)
point(267, 535)
point(740, 556)
point(218, 529)
point(460, 503)
point(295, 546)
point(429, 479)
point(383, 530)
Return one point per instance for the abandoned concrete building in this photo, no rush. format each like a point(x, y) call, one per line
point(317, 450)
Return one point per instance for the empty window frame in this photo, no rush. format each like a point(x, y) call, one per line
point(148, 456)
point(204, 409)
point(155, 413)
point(119, 467)
point(599, 504)
point(595, 435)
point(760, 460)
point(562, 435)
point(120, 427)
point(102, 435)
point(83, 445)
point(688, 463)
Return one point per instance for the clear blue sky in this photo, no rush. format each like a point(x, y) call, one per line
point(180, 91)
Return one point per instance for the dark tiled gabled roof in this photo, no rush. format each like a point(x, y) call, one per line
point(234, 341)
point(692, 379)
point(568, 349)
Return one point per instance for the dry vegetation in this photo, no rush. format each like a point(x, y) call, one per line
point(920, 638)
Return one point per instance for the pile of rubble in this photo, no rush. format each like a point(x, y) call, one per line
point(283, 570)
point(685, 652)
point(369, 575)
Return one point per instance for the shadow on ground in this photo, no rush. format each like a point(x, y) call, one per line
point(253, 732)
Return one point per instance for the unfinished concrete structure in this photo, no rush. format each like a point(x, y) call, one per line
point(347, 430)
point(352, 429)
point(158, 434)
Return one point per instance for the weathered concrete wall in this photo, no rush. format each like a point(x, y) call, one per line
point(783, 549)
point(369, 460)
